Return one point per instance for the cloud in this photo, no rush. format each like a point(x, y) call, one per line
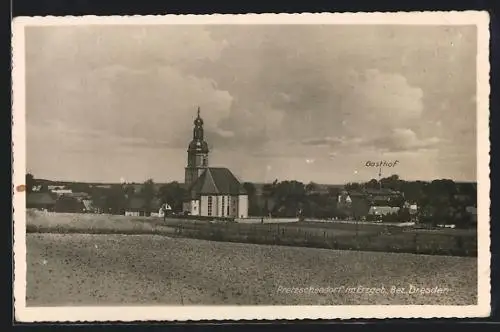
point(111, 100)
point(325, 141)
point(403, 139)
point(380, 101)
point(273, 93)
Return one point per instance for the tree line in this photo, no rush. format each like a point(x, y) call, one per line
point(115, 199)
point(441, 201)
point(438, 201)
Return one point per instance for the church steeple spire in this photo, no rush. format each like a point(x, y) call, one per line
point(197, 152)
point(198, 127)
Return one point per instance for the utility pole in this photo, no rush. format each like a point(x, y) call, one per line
point(380, 177)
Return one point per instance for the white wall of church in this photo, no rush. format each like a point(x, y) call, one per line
point(243, 206)
point(233, 206)
point(204, 206)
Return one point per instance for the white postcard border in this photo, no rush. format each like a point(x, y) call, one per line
point(194, 313)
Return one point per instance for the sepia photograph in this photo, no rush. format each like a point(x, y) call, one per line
point(251, 166)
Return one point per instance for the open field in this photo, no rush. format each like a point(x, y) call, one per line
point(84, 269)
point(369, 237)
point(51, 222)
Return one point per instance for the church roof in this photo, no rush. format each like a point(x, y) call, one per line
point(216, 181)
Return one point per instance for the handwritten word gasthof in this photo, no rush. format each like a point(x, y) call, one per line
point(382, 163)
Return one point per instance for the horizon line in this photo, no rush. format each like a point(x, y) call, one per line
point(254, 182)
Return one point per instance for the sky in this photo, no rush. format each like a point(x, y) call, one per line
point(304, 102)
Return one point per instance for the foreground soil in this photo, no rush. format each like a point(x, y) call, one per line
point(83, 269)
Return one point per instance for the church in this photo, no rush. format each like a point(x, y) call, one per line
point(211, 191)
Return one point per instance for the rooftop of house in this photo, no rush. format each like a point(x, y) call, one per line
point(382, 191)
point(216, 181)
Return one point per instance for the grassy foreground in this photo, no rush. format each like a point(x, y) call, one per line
point(85, 269)
point(366, 237)
point(62, 223)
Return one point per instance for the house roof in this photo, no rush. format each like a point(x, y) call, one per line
point(216, 181)
point(40, 199)
point(382, 191)
point(89, 205)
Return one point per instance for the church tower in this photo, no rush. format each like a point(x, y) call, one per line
point(197, 153)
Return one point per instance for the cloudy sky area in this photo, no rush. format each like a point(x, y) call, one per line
point(311, 103)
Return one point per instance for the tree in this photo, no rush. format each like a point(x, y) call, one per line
point(441, 190)
point(173, 194)
point(404, 215)
point(372, 184)
point(311, 187)
point(148, 191)
point(30, 182)
point(129, 190)
point(392, 182)
point(249, 188)
point(115, 201)
point(413, 191)
point(353, 186)
point(268, 192)
point(253, 206)
point(44, 188)
point(289, 196)
point(80, 187)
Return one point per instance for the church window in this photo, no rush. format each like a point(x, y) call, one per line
point(223, 205)
point(209, 205)
point(205, 161)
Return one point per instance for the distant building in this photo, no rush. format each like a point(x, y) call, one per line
point(36, 188)
point(344, 198)
point(89, 206)
point(59, 190)
point(382, 210)
point(41, 201)
point(212, 191)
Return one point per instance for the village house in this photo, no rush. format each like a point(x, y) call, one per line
point(212, 191)
point(382, 210)
point(59, 190)
point(139, 206)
